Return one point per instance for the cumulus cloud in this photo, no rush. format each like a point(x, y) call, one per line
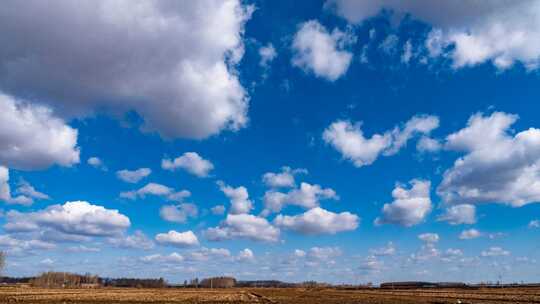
point(497, 167)
point(387, 250)
point(239, 197)
point(245, 255)
point(307, 196)
point(31, 137)
point(494, 252)
point(14, 246)
point(490, 31)
point(407, 53)
point(371, 265)
point(348, 138)
point(469, 234)
point(138, 240)
point(320, 52)
point(26, 192)
point(268, 54)
point(157, 190)
point(178, 213)
point(323, 253)
point(72, 218)
point(172, 258)
point(427, 251)
point(318, 221)
point(178, 239)
point(428, 144)
point(243, 226)
point(459, 214)
point(205, 254)
point(218, 210)
point(176, 69)
point(97, 163)
point(133, 176)
point(285, 178)
point(410, 206)
point(534, 224)
point(429, 237)
point(191, 162)
point(299, 253)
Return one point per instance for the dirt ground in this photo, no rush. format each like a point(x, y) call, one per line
point(267, 295)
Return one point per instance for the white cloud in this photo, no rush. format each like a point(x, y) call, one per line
point(31, 137)
point(138, 240)
point(245, 255)
point(268, 54)
point(348, 138)
point(82, 248)
point(15, 246)
point(407, 52)
point(429, 237)
point(410, 207)
point(72, 218)
point(97, 163)
point(299, 253)
point(318, 221)
point(47, 262)
point(239, 197)
point(205, 254)
point(320, 52)
point(218, 210)
point(191, 162)
point(500, 32)
point(26, 192)
point(133, 176)
point(534, 224)
point(428, 144)
point(387, 250)
point(494, 252)
point(389, 44)
point(470, 234)
point(285, 178)
point(323, 253)
point(178, 213)
point(419, 124)
point(176, 68)
point(157, 190)
point(497, 168)
point(451, 253)
point(427, 251)
point(307, 196)
point(459, 214)
point(173, 258)
point(178, 239)
point(371, 265)
point(243, 226)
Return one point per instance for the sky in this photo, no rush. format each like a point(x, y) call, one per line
point(339, 141)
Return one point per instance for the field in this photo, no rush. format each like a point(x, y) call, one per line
point(267, 295)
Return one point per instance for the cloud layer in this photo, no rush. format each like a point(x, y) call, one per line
point(32, 137)
point(167, 61)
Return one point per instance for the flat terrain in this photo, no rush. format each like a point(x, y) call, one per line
point(267, 295)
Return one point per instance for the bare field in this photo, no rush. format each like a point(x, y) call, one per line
point(268, 295)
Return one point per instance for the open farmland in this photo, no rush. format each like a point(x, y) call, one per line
point(268, 295)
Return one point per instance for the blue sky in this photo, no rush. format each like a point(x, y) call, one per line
point(337, 140)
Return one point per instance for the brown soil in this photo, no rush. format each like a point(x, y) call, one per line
point(267, 295)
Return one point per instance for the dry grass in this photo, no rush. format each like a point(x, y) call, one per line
point(267, 295)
